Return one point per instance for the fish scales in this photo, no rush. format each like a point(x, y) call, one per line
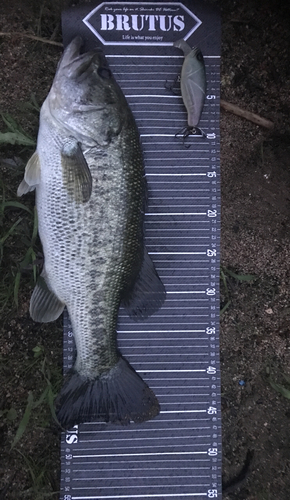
point(90, 196)
point(94, 259)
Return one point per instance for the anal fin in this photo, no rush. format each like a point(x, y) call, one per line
point(148, 293)
point(44, 304)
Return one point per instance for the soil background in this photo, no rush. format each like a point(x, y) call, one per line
point(255, 256)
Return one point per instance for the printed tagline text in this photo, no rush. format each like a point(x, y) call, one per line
point(142, 38)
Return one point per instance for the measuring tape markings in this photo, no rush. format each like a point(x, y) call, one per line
point(178, 371)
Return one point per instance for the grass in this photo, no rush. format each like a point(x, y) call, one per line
point(30, 418)
point(19, 256)
point(30, 354)
point(18, 221)
point(40, 478)
point(283, 389)
point(19, 247)
point(50, 387)
point(225, 276)
point(40, 402)
point(15, 133)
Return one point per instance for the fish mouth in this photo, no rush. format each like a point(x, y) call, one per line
point(74, 64)
point(72, 50)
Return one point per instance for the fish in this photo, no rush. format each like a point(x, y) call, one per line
point(192, 84)
point(88, 174)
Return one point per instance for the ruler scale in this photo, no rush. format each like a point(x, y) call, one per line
point(176, 351)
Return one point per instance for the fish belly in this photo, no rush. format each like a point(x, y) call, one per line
point(94, 259)
point(91, 249)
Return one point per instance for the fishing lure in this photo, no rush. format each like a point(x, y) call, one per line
point(192, 85)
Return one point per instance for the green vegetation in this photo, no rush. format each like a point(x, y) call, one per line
point(18, 221)
point(18, 247)
point(15, 133)
point(50, 386)
point(40, 478)
point(225, 275)
point(283, 389)
point(31, 371)
point(30, 353)
point(33, 417)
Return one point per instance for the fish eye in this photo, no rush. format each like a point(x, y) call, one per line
point(104, 73)
point(199, 56)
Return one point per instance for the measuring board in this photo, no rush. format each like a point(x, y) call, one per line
point(176, 351)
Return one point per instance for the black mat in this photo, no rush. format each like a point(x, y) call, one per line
point(178, 454)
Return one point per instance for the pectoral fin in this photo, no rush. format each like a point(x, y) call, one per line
point(76, 173)
point(31, 175)
point(148, 293)
point(44, 304)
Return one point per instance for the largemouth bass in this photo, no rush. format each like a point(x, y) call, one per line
point(192, 83)
point(90, 196)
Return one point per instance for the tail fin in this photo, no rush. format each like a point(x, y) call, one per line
point(117, 396)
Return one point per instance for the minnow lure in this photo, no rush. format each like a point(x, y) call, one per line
point(192, 85)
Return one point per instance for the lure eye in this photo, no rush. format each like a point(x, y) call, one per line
point(199, 56)
point(104, 73)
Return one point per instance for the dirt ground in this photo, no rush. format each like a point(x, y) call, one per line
point(255, 320)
